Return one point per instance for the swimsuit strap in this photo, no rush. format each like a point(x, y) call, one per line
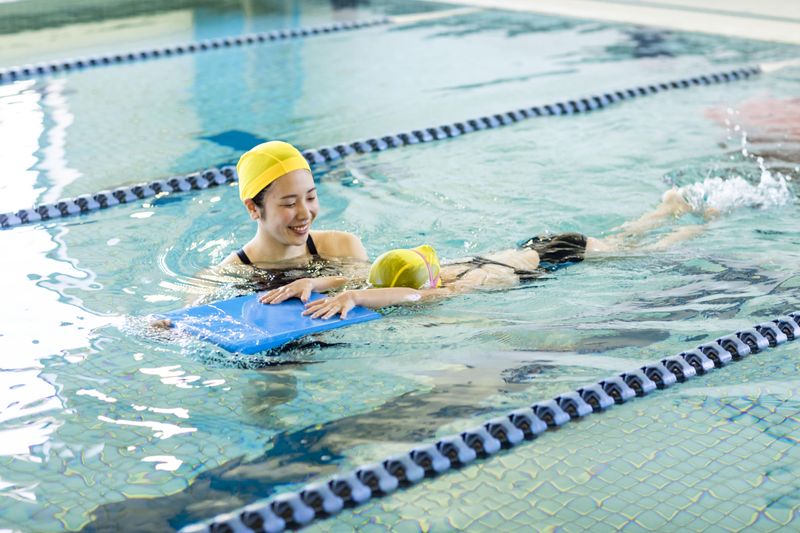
point(243, 257)
point(478, 262)
point(432, 281)
point(475, 263)
point(312, 248)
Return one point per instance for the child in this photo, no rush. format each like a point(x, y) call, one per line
point(414, 274)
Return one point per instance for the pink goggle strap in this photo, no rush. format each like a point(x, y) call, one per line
point(433, 281)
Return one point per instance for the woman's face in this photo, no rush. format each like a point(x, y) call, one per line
point(290, 207)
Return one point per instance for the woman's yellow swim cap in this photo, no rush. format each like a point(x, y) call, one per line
point(415, 268)
point(265, 163)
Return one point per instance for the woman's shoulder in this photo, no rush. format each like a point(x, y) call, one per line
point(232, 259)
point(332, 243)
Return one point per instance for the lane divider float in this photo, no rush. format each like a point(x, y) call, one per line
point(213, 177)
point(323, 499)
point(328, 154)
point(24, 72)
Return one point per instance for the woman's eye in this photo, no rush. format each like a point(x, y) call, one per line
point(311, 198)
point(288, 205)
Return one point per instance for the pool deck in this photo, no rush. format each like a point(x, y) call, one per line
point(766, 20)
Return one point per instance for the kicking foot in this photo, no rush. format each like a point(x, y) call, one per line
point(710, 213)
point(673, 203)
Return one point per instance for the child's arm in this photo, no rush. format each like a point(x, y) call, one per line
point(302, 288)
point(373, 298)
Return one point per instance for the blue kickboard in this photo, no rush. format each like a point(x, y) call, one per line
point(245, 325)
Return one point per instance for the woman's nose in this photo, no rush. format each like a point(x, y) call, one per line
point(303, 211)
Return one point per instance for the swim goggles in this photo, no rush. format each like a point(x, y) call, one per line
point(433, 281)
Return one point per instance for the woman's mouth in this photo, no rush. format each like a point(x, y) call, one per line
point(301, 229)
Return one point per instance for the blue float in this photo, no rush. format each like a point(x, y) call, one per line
point(245, 325)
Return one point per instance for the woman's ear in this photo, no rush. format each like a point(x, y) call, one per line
point(252, 209)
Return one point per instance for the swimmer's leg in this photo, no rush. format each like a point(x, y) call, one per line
point(612, 243)
point(679, 235)
point(616, 243)
point(627, 236)
point(672, 206)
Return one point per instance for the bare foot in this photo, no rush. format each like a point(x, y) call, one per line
point(163, 323)
point(673, 203)
point(710, 213)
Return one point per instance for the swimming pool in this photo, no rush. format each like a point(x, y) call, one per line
point(106, 427)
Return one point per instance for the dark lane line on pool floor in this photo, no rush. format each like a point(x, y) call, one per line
point(320, 500)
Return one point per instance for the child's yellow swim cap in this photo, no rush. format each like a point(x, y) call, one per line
point(415, 268)
point(265, 163)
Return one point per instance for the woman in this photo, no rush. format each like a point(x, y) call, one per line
point(278, 190)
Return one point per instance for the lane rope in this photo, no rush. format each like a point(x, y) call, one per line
point(60, 66)
point(323, 499)
point(226, 174)
point(38, 70)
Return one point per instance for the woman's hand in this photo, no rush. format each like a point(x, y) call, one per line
point(162, 323)
point(326, 308)
point(300, 288)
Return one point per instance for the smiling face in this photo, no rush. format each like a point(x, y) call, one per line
point(289, 208)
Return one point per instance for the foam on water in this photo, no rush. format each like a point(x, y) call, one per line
point(727, 194)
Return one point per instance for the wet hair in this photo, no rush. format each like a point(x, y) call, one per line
point(258, 199)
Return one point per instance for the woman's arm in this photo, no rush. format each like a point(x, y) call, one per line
point(302, 288)
point(373, 298)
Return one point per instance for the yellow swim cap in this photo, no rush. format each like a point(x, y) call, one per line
point(265, 163)
point(415, 268)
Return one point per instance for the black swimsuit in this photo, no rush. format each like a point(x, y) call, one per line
point(555, 251)
point(478, 262)
point(312, 249)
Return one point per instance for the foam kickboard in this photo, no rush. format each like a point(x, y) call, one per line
point(244, 325)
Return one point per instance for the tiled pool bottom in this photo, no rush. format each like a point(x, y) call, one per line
point(711, 456)
point(125, 432)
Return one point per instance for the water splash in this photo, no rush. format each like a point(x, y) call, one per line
point(727, 194)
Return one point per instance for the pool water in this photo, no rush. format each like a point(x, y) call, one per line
point(107, 425)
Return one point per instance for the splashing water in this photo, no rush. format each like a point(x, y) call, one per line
point(725, 195)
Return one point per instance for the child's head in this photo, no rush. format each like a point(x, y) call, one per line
point(415, 268)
